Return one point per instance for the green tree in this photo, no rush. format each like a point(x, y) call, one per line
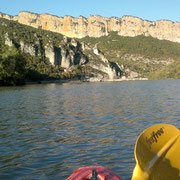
point(12, 67)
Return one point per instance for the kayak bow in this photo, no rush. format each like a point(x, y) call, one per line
point(94, 173)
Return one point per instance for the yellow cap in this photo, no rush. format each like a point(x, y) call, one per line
point(157, 154)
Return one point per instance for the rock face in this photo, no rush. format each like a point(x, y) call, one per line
point(111, 70)
point(70, 53)
point(8, 41)
point(67, 54)
point(74, 53)
point(96, 26)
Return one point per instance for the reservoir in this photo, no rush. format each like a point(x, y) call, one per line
point(47, 131)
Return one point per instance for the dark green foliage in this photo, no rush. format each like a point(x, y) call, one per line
point(12, 67)
point(17, 67)
point(40, 69)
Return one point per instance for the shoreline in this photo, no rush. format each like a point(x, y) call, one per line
point(82, 81)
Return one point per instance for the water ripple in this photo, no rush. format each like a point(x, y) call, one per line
point(48, 131)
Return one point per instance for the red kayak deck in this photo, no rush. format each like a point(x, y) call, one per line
point(93, 173)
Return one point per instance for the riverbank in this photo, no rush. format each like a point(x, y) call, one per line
point(118, 80)
point(52, 81)
point(84, 80)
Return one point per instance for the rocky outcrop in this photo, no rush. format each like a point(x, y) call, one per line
point(108, 68)
point(67, 54)
point(7, 40)
point(96, 26)
point(26, 48)
point(73, 53)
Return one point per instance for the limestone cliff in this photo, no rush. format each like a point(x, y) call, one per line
point(67, 53)
point(96, 26)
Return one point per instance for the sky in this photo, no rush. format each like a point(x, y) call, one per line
point(151, 10)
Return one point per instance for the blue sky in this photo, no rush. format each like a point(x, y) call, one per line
point(146, 9)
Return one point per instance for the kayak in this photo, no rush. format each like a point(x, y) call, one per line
point(94, 173)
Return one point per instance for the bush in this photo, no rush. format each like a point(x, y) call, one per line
point(12, 67)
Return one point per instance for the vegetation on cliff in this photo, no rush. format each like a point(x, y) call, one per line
point(149, 57)
point(145, 55)
point(171, 71)
point(147, 46)
point(12, 66)
point(17, 67)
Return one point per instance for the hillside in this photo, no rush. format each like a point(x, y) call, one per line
point(141, 54)
point(44, 55)
point(47, 55)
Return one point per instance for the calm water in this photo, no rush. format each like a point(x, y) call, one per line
point(48, 131)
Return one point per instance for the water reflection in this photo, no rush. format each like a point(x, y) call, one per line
point(48, 131)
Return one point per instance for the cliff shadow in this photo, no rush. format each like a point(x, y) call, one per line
point(57, 56)
point(118, 71)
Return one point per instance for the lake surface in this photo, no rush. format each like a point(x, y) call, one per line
point(49, 130)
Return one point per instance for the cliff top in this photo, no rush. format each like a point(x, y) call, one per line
point(115, 17)
point(97, 26)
